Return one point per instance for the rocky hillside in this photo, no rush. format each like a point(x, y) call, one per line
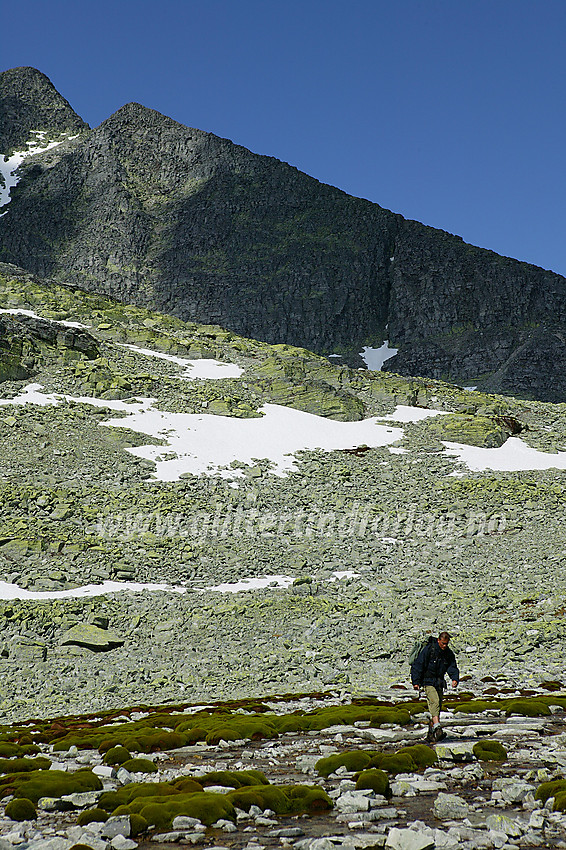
point(171, 218)
point(191, 514)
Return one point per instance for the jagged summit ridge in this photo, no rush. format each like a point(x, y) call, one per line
point(29, 101)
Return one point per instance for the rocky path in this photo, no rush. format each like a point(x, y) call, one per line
point(459, 802)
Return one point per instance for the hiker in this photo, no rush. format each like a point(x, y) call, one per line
point(428, 671)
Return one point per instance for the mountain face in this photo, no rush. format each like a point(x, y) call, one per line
point(164, 216)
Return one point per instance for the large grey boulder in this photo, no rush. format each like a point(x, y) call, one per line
point(117, 825)
point(448, 806)
point(503, 823)
point(513, 790)
point(408, 839)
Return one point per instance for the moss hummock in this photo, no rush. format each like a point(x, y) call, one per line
point(139, 765)
point(92, 816)
point(21, 809)
point(528, 708)
point(352, 760)
point(374, 779)
point(232, 778)
point(117, 755)
point(489, 751)
point(48, 783)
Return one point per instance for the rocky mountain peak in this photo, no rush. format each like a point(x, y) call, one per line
point(29, 101)
point(155, 213)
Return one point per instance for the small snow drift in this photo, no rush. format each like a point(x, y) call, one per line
point(374, 358)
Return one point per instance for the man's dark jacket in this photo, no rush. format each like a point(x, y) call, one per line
point(432, 664)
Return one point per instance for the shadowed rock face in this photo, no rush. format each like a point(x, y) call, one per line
point(155, 213)
point(29, 101)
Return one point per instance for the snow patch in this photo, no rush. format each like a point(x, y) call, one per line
point(252, 584)
point(31, 395)
point(20, 312)
point(340, 574)
point(12, 591)
point(194, 369)
point(513, 456)
point(374, 358)
point(204, 443)
point(405, 413)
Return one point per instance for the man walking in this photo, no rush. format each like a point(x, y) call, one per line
point(428, 671)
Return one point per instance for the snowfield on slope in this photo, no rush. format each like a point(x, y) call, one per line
point(9, 165)
point(205, 443)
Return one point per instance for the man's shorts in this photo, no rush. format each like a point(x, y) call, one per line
point(434, 700)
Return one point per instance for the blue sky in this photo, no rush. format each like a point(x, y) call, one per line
point(449, 112)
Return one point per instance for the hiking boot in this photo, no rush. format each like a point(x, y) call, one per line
point(430, 734)
point(438, 734)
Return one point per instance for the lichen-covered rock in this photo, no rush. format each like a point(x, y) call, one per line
point(91, 637)
point(474, 430)
point(447, 806)
point(28, 343)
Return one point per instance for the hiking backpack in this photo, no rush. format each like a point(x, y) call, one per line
point(418, 647)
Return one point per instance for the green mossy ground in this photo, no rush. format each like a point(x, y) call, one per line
point(117, 755)
point(139, 765)
point(232, 778)
point(352, 761)
point(475, 706)
point(119, 741)
point(9, 750)
point(282, 799)
point(528, 708)
point(161, 811)
point(556, 788)
point(158, 803)
point(407, 759)
point(23, 765)
point(48, 783)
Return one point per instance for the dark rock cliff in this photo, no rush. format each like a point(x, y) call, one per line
point(29, 101)
point(159, 214)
